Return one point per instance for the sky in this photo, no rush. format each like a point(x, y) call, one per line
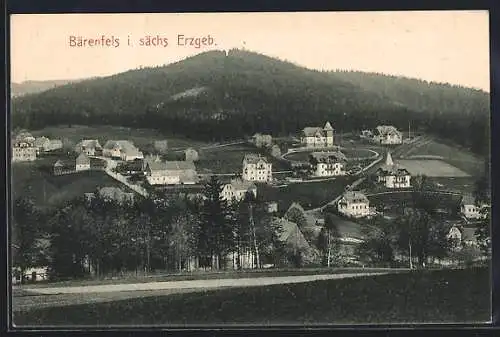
point(441, 46)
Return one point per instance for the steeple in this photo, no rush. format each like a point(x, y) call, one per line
point(388, 160)
point(328, 127)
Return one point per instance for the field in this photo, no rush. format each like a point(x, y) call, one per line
point(229, 159)
point(142, 138)
point(460, 158)
point(458, 184)
point(431, 168)
point(309, 195)
point(46, 190)
point(452, 296)
point(398, 199)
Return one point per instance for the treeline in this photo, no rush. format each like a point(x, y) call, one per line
point(245, 92)
point(103, 237)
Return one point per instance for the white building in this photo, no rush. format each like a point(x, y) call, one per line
point(23, 151)
point(257, 168)
point(393, 175)
point(354, 204)
point(388, 134)
point(328, 164)
point(82, 162)
point(122, 149)
point(89, 147)
point(237, 190)
point(171, 173)
point(470, 210)
point(317, 136)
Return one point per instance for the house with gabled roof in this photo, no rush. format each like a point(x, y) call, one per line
point(470, 209)
point(257, 168)
point(90, 147)
point(171, 173)
point(328, 164)
point(122, 149)
point(388, 134)
point(354, 204)
point(82, 162)
point(317, 136)
point(393, 175)
point(237, 189)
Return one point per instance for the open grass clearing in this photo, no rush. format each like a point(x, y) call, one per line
point(431, 168)
point(429, 296)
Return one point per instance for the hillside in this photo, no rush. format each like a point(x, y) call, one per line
point(34, 87)
point(215, 96)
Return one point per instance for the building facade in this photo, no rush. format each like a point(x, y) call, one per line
point(354, 204)
point(328, 164)
point(470, 210)
point(191, 154)
point(82, 162)
point(387, 135)
point(257, 168)
point(90, 147)
point(171, 173)
point(237, 189)
point(23, 151)
point(392, 175)
point(317, 136)
point(121, 149)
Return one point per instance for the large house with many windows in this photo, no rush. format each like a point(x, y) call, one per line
point(23, 151)
point(328, 164)
point(257, 168)
point(171, 173)
point(387, 134)
point(317, 136)
point(393, 175)
point(354, 204)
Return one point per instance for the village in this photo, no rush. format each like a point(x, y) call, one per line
point(363, 166)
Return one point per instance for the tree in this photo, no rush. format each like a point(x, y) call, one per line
point(216, 232)
point(25, 235)
point(296, 214)
point(379, 243)
point(482, 195)
point(328, 239)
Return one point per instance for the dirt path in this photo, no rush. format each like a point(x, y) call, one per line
point(54, 297)
point(193, 284)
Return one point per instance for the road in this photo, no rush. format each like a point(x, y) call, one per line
point(110, 166)
point(49, 297)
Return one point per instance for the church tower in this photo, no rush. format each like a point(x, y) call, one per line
point(388, 160)
point(328, 129)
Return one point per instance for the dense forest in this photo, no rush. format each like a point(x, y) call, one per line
point(217, 95)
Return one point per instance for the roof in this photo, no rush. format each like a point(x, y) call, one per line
point(252, 158)
point(89, 143)
point(354, 196)
point(242, 185)
point(328, 126)
point(113, 192)
point(190, 149)
point(122, 144)
point(391, 168)
point(385, 129)
point(325, 157)
point(171, 165)
point(312, 131)
point(82, 159)
point(468, 199)
point(41, 140)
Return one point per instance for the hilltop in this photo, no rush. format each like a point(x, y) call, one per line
point(217, 95)
point(34, 87)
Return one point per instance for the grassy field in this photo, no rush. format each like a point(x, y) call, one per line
point(309, 195)
point(142, 138)
point(452, 296)
point(229, 159)
point(460, 158)
point(431, 168)
point(458, 184)
point(31, 180)
point(396, 200)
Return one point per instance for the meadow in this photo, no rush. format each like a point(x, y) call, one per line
point(425, 296)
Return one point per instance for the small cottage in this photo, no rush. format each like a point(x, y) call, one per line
point(82, 162)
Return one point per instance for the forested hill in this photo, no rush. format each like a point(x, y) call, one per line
point(219, 95)
point(33, 87)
